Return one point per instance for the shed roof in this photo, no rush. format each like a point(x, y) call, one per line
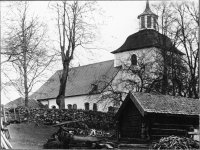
point(150, 103)
point(21, 102)
point(144, 39)
point(79, 82)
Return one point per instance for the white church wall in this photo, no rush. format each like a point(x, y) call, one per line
point(124, 60)
point(79, 101)
point(125, 57)
point(45, 102)
point(52, 102)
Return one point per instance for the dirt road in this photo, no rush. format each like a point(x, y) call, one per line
point(29, 136)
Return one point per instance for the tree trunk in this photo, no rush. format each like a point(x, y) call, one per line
point(25, 49)
point(60, 100)
point(194, 86)
point(165, 66)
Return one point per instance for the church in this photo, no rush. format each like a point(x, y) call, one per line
point(88, 86)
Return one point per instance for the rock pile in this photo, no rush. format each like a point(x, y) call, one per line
point(92, 119)
point(175, 142)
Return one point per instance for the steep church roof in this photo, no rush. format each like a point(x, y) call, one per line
point(144, 39)
point(80, 80)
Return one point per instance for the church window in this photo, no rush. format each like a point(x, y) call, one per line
point(53, 107)
point(74, 106)
point(94, 107)
point(69, 106)
point(142, 22)
point(133, 59)
point(87, 106)
point(110, 109)
point(148, 21)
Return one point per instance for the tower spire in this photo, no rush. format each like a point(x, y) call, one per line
point(148, 19)
point(147, 4)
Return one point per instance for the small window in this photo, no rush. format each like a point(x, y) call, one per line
point(69, 106)
point(133, 59)
point(142, 22)
point(110, 109)
point(74, 106)
point(87, 106)
point(53, 107)
point(94, 107)
point(148, 21)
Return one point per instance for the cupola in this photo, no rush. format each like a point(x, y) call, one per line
point(147, 20)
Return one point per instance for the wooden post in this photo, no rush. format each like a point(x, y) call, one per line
point(4, 114)
point(19, 115)
point(9, 115)
point(15, 114)
point(15, 106)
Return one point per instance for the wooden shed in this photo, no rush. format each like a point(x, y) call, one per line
point(149, 117)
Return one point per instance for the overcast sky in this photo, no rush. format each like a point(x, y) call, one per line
point(120, 21)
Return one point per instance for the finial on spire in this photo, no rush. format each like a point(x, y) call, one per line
point(147, 5)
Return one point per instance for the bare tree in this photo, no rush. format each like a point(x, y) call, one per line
point(188, 23)
point(25, 48)
point(174, 70)
point(75, 29)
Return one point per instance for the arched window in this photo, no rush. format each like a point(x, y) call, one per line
point(87, 106)
point(148, 21)
point(74, 106)
point(133, 59)
point(142, 22)
point(69, 106)
point(53, 107)
point(94, 107)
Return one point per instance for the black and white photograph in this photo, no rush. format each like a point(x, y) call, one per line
point(100, 74)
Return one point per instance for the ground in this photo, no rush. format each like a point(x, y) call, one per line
point(29, 136)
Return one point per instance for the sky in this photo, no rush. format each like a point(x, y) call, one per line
point(120, 21)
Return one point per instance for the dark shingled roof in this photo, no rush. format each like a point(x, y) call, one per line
point(150, 103)
point(144, 39)
point(80, 80)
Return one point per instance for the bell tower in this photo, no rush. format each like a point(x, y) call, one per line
point(147, 20)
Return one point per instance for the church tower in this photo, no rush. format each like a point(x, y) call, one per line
point(147, 20)
point(144, 43)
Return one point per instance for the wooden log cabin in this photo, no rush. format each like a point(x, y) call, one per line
point(148, 117)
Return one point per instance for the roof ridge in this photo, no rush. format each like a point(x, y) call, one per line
point(159, 94)
point(87, 65)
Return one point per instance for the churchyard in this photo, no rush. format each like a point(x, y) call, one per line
point(39, 128)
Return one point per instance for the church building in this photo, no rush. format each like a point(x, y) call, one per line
point(87, 83)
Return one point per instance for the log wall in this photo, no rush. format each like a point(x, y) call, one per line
point(130, 122)
point(163, 125)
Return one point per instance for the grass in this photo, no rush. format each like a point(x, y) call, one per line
point(29, 136)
